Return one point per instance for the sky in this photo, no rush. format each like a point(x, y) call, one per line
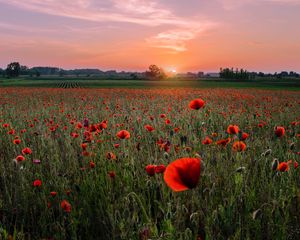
point(190, 35)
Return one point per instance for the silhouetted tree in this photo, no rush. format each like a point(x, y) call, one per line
point(24, 70)
point(227, 73)
point(13, 69)
point(155, 72)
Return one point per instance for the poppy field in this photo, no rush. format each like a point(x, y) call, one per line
point(186, 164)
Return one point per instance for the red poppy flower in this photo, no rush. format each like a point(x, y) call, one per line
point(20, 158)
point(110, 156)
point(92, 165)
point(223, 142)
point(66, 206)
point(79, 125)
point(5, 125)
point(239, 146)
point(37, 183)
point(26, 151)
point(84, 146)
point(11, 132)
point(53, 194)
point(102, 125)
point(207, 141)
point(196, 104)
point(296, 164)
point(149, 128)
point(279, 131)
point(244, 136)
point(150, 169)
point(74, 135)
point(176, 129)
point(283, 167)
point(123, 134)
point(183, 174)
point(17, 141)
point(160, 168)
point(233, 129)
point(112, 174)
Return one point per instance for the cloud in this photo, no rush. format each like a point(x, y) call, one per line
point(131, 11)
point(233, 4)
point(176, 39)
point(141, 12)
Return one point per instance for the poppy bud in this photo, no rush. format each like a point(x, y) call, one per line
point(275, 164)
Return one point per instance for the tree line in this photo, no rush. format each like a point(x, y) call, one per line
point(241, 74)
point(15, 69)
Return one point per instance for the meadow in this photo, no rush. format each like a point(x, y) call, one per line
point(178, 163)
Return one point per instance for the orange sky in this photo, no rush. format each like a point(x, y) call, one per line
point(194, 35)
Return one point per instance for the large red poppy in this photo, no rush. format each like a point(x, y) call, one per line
point(196, 104)
point(183, 174)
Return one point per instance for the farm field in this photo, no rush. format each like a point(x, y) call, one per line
point(118, 163)
point(93, 82)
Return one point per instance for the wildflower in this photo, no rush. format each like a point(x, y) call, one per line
point(26, 151)
point(92, 164)
point(244, 136)
point(112, 174)
point(150, 169)
point(53, 194)
point(149, 128)
point(196, 104)
point(66, 206)
point(37, 183)
point(279, 131)
point(283, 167)
point(207, 141)
point(183, 174)
point(239, 146)
point(123, 134)
point(223, 142)
point(160, 168)
point(17, 141)
point(20, 158)
point(233, 129)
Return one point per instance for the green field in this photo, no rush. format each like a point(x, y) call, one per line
point(71, 82)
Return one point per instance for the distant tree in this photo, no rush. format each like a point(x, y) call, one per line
point(61, 73)
point(284, 74)
point(24, 70)
point(155, 72)
point(133, 76)
point(37, 74)
point(2, 72)
point(13, 69)
point(261, 74)
point(228, 73)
